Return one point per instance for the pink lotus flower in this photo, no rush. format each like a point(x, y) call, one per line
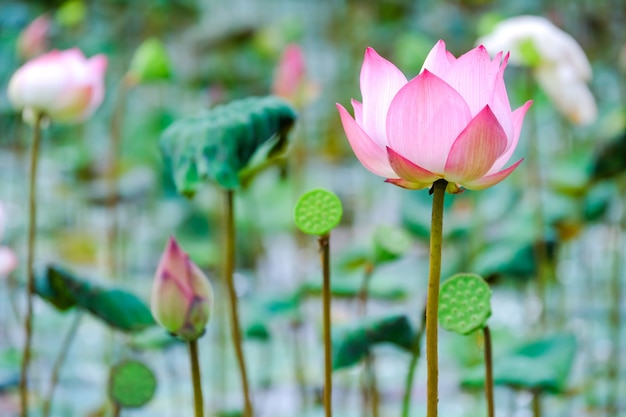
point(452, 121)
point(182, 297)
point(61, 85)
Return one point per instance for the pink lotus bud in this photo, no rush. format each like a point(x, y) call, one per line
point(452, 121)
point(61, 85)
point(182, 297)
point(290, 72)
point(33, 40)
point(290, 79)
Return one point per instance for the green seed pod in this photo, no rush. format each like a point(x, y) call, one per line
point(317, 212)
point(131, 384)
point(464, 303)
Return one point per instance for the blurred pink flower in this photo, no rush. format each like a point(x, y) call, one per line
point(33, 40)
point(61, 85)
point(8, 259)
point(290, 79)
point(452, 121)
point(182, 297)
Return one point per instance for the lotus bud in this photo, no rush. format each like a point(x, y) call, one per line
point(182, 297)
point(150, 63)
point(33, 40)
point(64, 86)
point(291, 81)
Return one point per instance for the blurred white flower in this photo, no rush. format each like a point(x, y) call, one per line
point(569, 94)
point(558, 61)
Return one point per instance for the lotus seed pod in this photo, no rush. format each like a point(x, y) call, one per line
point(131, 384)
point(317, 212)
point(464, 303)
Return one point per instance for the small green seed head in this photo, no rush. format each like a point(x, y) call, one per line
point(464, 303)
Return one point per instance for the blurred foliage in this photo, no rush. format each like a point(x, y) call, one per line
point(220, 52)
point(118, 308)
point(352, 343)
point(542, 365)
point(220, 144)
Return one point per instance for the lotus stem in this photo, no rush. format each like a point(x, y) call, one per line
point(223, 347)
point(363, 295)
point(60, 360)
point(488, 372)
point(536, 403)
point(536, 187)
point(229, 269)
point(432, 302)
point(112, 198)
point(324, 244)
point(30, 272)
point(198, 402)
point(415, 355)
point(370, 391)
point(298, 365)
point(370, 388)
point(615, 320)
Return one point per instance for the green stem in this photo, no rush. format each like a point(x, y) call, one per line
point(363, 294)
point(488, 372)
point(299, 369)
point(536, 186)
point(117, 410)
point(115, 151)
point(432, 302)
point(198, 402)
point(536, 404)
point(58, 363)
point(324, 243)
point(30, 274)
point(229, 270)
point(615, 320)
point(13, 286)
point(415, 355)
point(221, 369)
point(370, 388)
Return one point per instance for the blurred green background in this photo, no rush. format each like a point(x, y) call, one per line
point(560, 216)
